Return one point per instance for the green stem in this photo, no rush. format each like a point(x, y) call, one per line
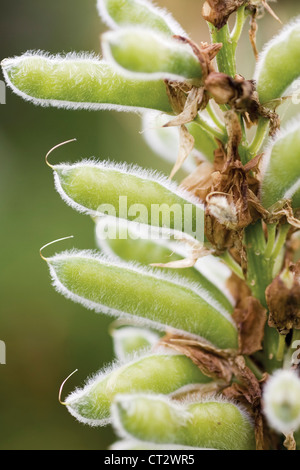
point(238, 27)
point(206, 126)
point(253, 367)
point(271, 240)
point(232, 264)
point(258, 278)
point(259, 138)
point(215, 118)
point(226, 56)
point(281, 348)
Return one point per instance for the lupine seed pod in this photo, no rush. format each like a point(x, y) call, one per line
point(133, 444)
point(117, 13)
point(282, 401)
point(150, 55)
point(213, 424)
point(281, 168)
point(278, 66)
point(127, 241)
point(130, 340)
point(158, 373)
point(146, 197)
point(80, 82)
point(165, 140)
point(158, 300)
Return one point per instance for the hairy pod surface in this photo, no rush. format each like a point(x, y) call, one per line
point(131, 193)
point(120, 13)
point(158, 300)
point(282, 401)
point(212, 424)
point(159, 373)
point(281, 168)
point(278, 66)
point(80, 82)
point(130, 340)
point(150, 55)
point(128, 244)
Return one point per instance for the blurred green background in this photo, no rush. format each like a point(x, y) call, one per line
point(46, 335)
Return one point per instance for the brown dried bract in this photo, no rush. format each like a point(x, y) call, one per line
point(250, 317)
point(217, 12)
point(210, 361)
point(289, 442)
point(283, 299)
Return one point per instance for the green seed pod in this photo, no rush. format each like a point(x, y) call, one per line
point(133, 444)
point(158, 300)
point(80, 82)
point(130, 340)
point(281, 168)
point(282, 401)
point(120, 13)
point(213, 424)
point(126, 241)
point(149, 55)
point(146, 197)
point(158, 373)
point(278, 66)
point(165, 140)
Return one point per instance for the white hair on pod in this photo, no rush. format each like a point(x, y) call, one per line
point(133, 170)
point(126, 401)
point(10, 63)
point(163, 39)
point(281, 37)
point(291, 127)
point(81, 392)
point(174, 279)
point(168, 18)
point(209, 266)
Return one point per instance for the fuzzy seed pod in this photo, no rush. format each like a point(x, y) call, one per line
point(117, 13)
point(130, 340)
point(128, 242)
point(157, 373)
point(155, 299)
point(80, 81)
point(278, 65)
point(281, 168)
point(131, 193)
point(148, 55)
point(213, 424)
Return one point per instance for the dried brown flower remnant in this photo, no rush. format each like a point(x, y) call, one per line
point(242, 97)
point(217, 12)
point(250, 317)
point(283, 299)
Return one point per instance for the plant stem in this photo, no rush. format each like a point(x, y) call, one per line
point(259, 138)
point(206, 126)
point(215, 118)
point(271, 240)
point(253, 367)
point(259, 277)
point(226, 56)
point(238, 27)
point(281, 348)
point(232, 264)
